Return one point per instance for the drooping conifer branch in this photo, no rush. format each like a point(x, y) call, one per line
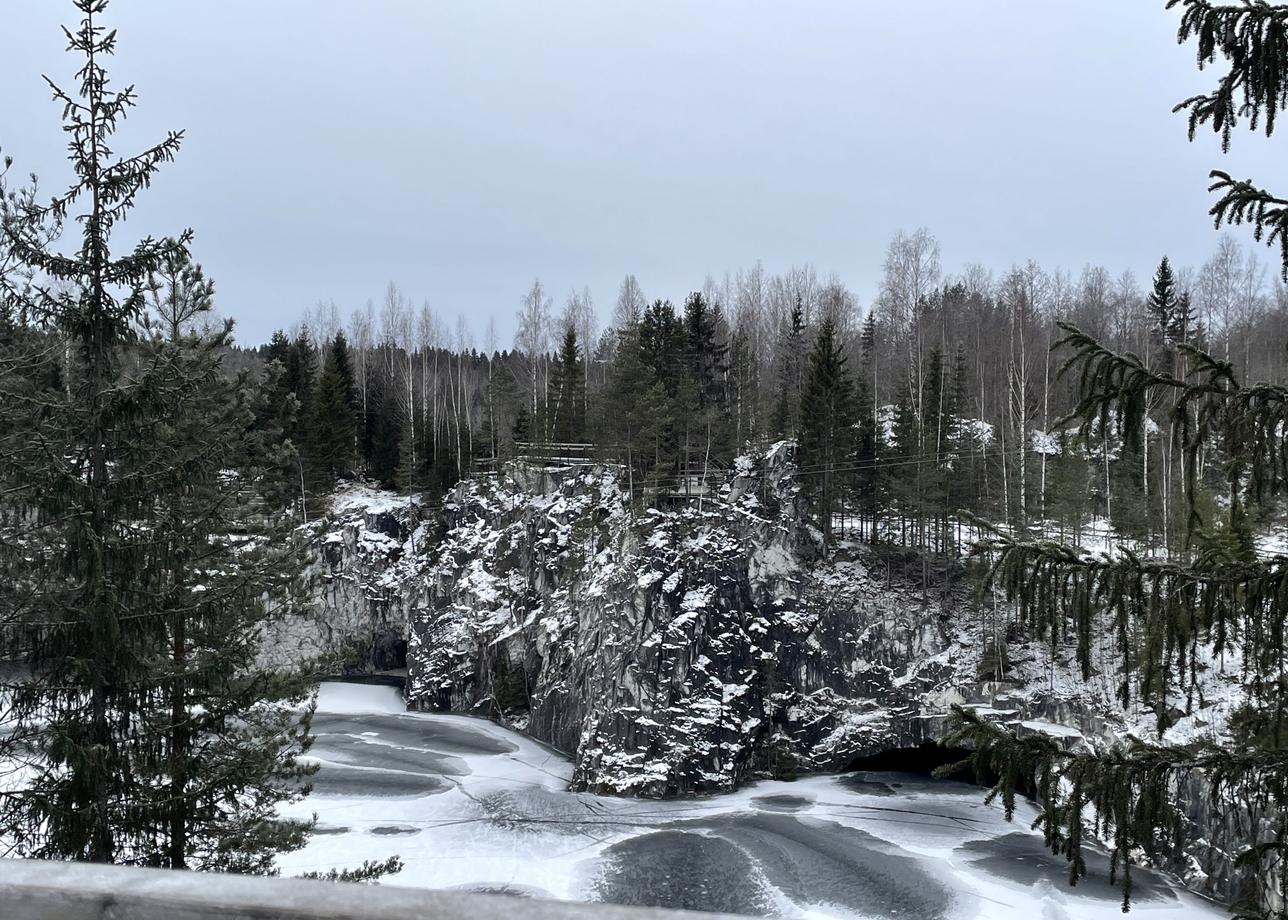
point(1127, 797)
point(1161, 612)
point(1208, 408)
point(1252, 38)
point(1241, 201)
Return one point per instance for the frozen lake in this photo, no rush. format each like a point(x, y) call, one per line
point(469, 805)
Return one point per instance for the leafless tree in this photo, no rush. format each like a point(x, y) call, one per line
point(533, 340)
point(361, 332)
point(630, 303)
point(911, 272)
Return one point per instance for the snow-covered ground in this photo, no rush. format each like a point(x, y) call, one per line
point(469, 805)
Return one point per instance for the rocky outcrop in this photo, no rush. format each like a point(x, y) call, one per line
point(683, 650)
point(360, 585)
point(680, 651)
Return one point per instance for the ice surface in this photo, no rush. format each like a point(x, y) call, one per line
point(469, 805)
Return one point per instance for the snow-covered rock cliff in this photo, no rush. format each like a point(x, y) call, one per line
point(681, 651)
point(361, 581)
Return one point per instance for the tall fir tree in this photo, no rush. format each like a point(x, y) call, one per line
point(333, 435)
point(1163, 302)
point(152, 736)
point(936, 452)
point(382, 435)
point(791, 364)
point(501, 407)
point(869, 477)
point(827, 426)
point(904, 475)
point(568, 390)
point(704, 351)
point(300, 380)
point(635, 414)
point(661, 342)
point(963, 488)
point(701, 398)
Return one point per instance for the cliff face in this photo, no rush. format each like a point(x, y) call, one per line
point(361, 580)
point(682, 651)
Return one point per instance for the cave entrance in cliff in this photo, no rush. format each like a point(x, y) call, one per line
point(922, 760)
point(388, 652)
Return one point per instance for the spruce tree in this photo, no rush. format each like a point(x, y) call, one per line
point(569, 391)
point(870, 480)
point(409, 475)
point(1250, 38)
point(1163, 302)
point(501, 408)
point(701, 396)
point(635, 411)
point(300, 380)
point(743, 389)
point(662, 344)
point(342, 356)
point(963, 489)
point(282, 407)
point(868, 350)
point(786, 418)
point(868, 476)
point(136, 564)
point(332, 438)
point(383, 432)
point(661, 347)
point(827, 426)
point(704, 352)
point(522, 427)
point(650, 423)
point(934, 455)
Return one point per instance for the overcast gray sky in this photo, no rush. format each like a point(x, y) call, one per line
point(462, 148)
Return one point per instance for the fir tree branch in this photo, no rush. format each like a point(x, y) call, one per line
point(1160, 610)
point(1253, 37)
point(1129, 797)
point(1243, 202)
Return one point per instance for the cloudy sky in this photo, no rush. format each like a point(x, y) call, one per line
point(461, 149)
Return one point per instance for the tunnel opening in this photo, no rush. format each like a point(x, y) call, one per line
point(388, 651)
point(383, 661)
point(922, 760)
